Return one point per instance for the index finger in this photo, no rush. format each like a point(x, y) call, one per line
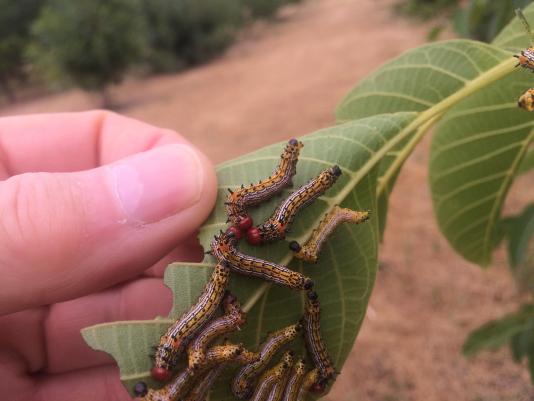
point(64, 142)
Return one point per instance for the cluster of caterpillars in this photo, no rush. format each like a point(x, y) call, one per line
point(200, 333)
point(526, 60)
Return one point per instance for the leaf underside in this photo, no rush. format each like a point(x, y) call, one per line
point(477, 149)
point(344, 275)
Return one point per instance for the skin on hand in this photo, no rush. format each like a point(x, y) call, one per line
point(94, 206)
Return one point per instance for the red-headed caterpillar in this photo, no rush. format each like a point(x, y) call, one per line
point(242, 385)
point(232, 320)
point(314, 341)
point(239, 200)
point(281, 220)
point(223, 247)
point(294, 382)
point(173, 342)
point(272, 377)
point(310, 251)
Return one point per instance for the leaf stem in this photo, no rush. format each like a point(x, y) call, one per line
point(403, 155)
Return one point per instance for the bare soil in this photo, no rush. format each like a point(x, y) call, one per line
point(284, 78)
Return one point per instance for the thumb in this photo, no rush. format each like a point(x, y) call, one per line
point(63, 235)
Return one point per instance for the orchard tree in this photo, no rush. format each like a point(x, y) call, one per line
point(88, 43)
point(16, 18)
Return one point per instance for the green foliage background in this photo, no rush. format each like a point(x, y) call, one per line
point(467, 91)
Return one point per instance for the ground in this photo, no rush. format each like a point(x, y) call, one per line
point(284, 79)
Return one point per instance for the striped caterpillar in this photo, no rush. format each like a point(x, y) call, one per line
point(233, 318)
point(242, 385)
point(180, 385)
point(223, 247)
point(272, 380)
point(310, 251)
point(280, 222)
point(295, 381)
point(200, 391)
point(314, 342)
point(180, 333)
point(238, 201)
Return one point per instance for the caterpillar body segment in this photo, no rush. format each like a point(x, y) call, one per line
point(224, 249)
point(294, 383)
point(243, 382)
point(281, 220)
point(239, 200)
point(232, 320)
point(271, 378)
point(309, 252)
point(314, 342)
point(173, 342)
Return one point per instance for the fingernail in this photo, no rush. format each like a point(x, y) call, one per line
point(159, 183)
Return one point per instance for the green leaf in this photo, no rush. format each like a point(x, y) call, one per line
point(344, 275)
point(497, 333)
point(527, 164)
point(429, 80)
point(520, 232)
point(522, 342)
point(514, 37)
point(475, 153)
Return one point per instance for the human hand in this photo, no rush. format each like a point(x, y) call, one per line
point(92, 207)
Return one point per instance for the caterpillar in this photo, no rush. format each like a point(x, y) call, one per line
point(271, 378)
point(526, 100)
point(310, 383)
point(295, 381)
point(310, 251)
point(314, 342)
point(203, 387)
point(277, 391)
point(526, 57)
point(238, 201)
point(174, 340)
point(280, 222)
point(232, 320)
point(223, 247)
point(244, 379)
point(176, 388)
point(180, 385)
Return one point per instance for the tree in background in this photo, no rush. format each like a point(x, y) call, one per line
point(188, 32)
point(484, 19)
point(88, 43)
point(16, 18)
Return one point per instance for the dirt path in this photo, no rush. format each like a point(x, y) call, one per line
point(285, 79)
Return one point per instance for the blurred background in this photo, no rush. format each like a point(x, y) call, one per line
point(234, 75)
